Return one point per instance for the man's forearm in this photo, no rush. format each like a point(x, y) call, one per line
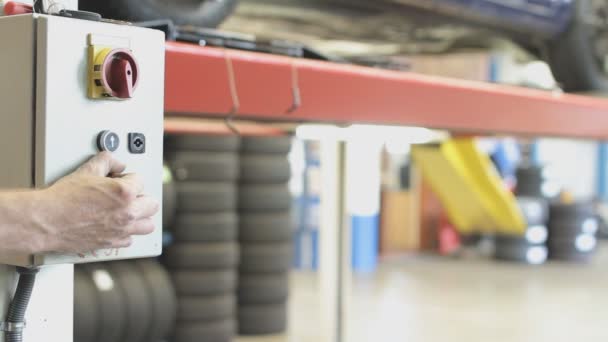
point(22, 229)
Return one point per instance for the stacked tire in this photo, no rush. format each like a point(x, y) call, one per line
point(530, 181)
point(204, 255)
point(531, 247)
point(124, 301)
point(265, 235)
point(572, 232)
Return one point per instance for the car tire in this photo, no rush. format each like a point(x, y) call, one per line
point(534, 235)
point(202, 256)
point(521, 251)
point(571, 55)
point(137, 300)
point(198, 197)
point(206, 308)
point(571, 229)
point(163, 299)
point(111, 303)
point(265, 257)
point(86, 314)
point(221, 331)
point(211, 227)
point(204, 283)
point(262, 319)
point(266, 144)
point(572, 213)
point(534, 209)
point(205, 166)
point(203, 14)
point(263, 288)
point(579, 244)
point(255, 197)
point(571, 256)
point(264, 168)
point(202, 143)
point(265, 227)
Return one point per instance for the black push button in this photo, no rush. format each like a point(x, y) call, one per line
point(108, 141)
point(137, 143)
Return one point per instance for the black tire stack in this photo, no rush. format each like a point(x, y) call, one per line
point(265, 235)
point(572, 232)
point(530, 248)
point(204, 256)
point(123, 301)
point(530, 181)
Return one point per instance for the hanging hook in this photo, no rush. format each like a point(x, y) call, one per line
point(295, 89)
point(236, 104)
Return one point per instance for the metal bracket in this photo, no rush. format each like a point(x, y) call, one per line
point(12, 327)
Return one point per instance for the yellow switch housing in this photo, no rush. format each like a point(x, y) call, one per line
point(97, 56)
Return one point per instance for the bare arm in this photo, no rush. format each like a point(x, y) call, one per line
point(19, 231)
point(84, 211)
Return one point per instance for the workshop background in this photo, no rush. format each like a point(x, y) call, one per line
point(370, 171)
point(433, 257)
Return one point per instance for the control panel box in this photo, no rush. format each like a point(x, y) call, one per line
point(70, 88)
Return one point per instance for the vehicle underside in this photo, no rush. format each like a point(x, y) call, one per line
point(573, 40)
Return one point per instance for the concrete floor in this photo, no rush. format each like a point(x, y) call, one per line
point(432, 299)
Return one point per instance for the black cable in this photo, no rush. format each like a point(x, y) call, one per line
point(15, 319)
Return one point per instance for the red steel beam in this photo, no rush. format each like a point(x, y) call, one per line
point(198, 84)
point(195, 126)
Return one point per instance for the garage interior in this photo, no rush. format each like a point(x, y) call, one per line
point(327, 170)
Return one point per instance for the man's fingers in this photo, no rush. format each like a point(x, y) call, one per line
point(123, 243)
point(132, 184)
point(142, 227)
point(144, 207)
point(103, 164)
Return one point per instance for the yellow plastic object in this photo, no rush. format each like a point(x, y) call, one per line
point(459, 201)
point(469, 187)
point(497, 200)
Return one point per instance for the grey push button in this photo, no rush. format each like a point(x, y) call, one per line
point(108, 141)
point(137, 143)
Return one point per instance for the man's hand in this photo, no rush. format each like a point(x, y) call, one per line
point(96, 207)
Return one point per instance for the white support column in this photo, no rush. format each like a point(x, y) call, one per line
point(334, 241)
point(363, 164)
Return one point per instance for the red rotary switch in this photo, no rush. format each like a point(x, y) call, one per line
point(15, 8)
point(119, 73)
